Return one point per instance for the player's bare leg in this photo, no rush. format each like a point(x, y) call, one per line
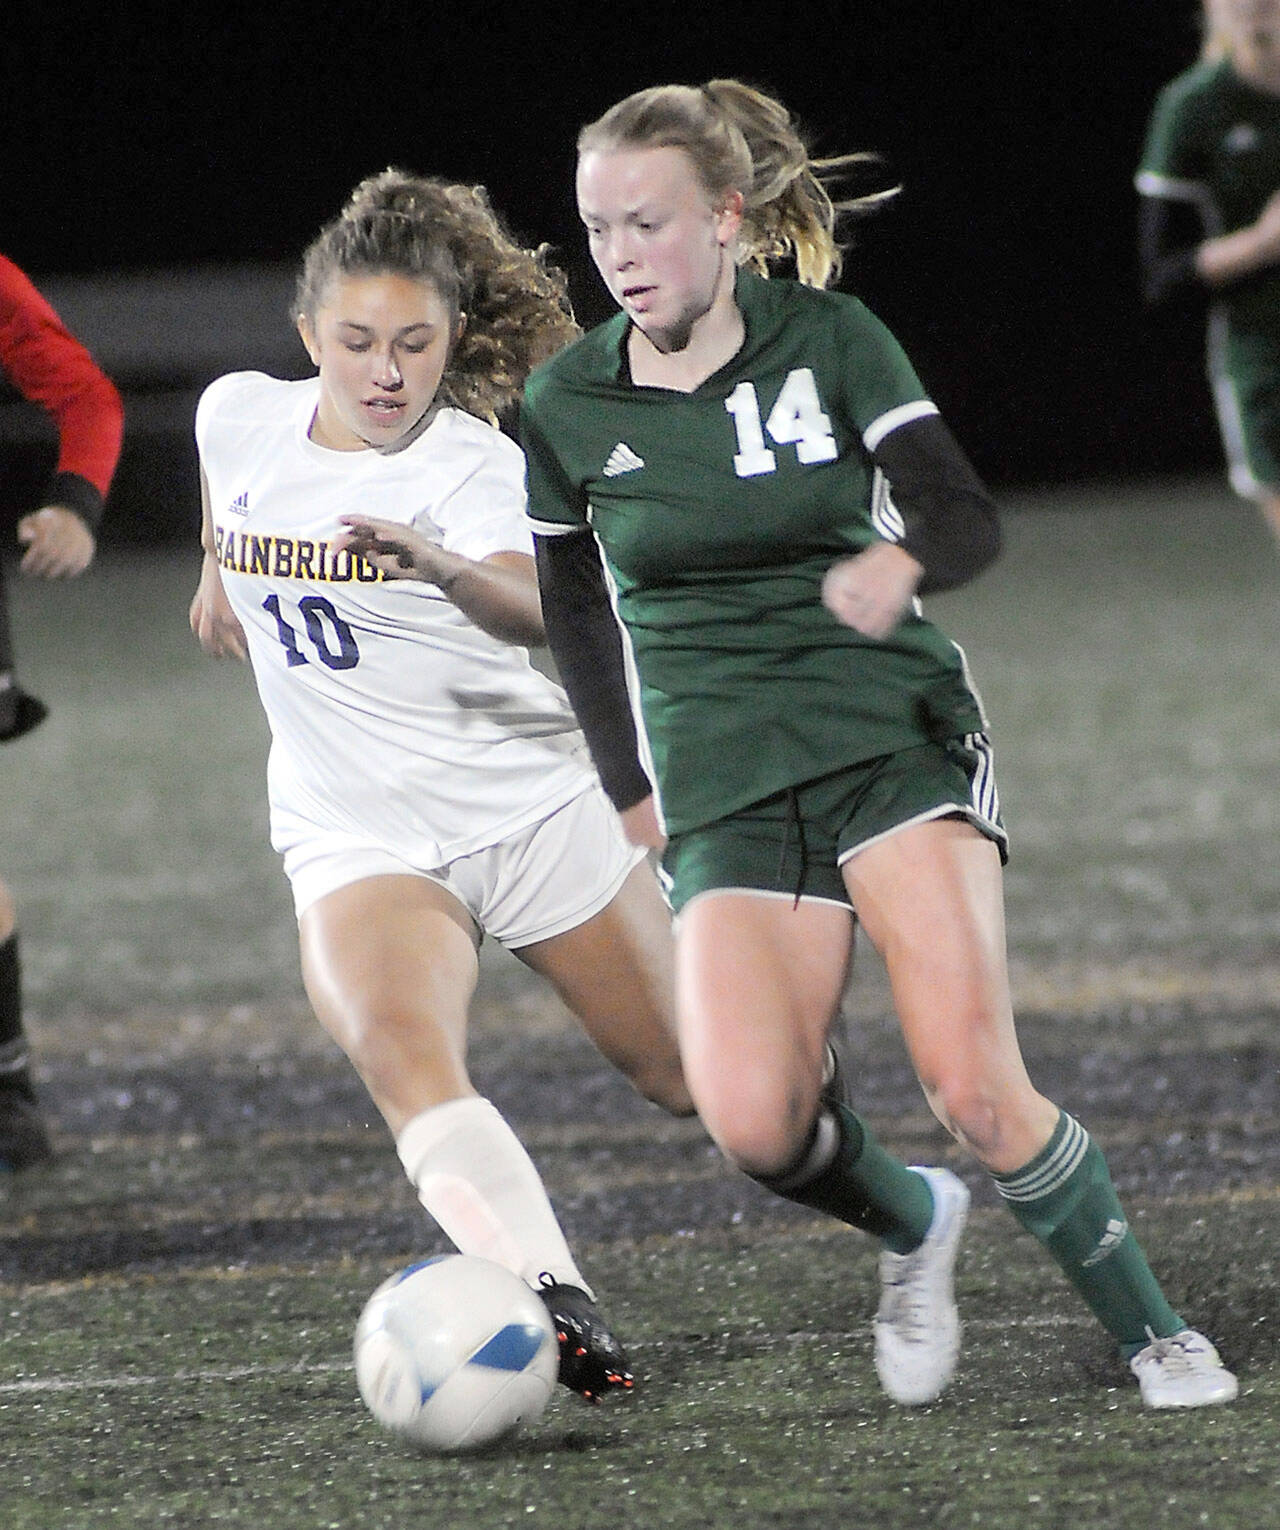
point(615, 972)
point(758, 981)
point(390, 967)
point(930, 899)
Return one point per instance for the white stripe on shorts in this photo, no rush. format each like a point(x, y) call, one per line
point(986, 796)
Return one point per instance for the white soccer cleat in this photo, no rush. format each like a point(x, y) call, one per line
point(917, 1327)
point(1182, 1371)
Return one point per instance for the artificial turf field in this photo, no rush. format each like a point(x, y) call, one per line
point(178, 1291)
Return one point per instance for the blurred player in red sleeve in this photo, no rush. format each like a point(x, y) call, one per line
point(49, 367)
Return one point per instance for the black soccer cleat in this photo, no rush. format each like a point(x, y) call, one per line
point(24, 1141)
point(592, 1362)
point(19, 712)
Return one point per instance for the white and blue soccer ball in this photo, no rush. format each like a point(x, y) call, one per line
point(454, 1353)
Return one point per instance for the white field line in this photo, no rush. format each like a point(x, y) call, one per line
point(38, 1386)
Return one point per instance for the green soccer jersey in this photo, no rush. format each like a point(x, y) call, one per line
point(719, 511)
point(1214, 141)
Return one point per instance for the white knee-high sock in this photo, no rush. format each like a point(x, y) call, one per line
point(474, 1177)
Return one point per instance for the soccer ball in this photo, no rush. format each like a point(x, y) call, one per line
point(454, 1353)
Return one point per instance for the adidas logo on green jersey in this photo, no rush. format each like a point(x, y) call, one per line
point(622, 460)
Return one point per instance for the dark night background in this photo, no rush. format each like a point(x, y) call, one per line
point(163, 167)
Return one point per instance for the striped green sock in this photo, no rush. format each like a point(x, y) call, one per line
point(1065, 1198)
point(846, 1173)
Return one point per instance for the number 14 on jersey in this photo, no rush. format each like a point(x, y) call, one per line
point(796, 419)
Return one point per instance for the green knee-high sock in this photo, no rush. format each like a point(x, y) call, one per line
point(846, 1173)
point(1065, 1197)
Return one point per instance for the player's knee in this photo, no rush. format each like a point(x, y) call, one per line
point(383, 1044)
point(762, 1136)
point(978, 1118)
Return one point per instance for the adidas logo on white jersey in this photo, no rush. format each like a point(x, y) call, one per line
point(622, 460)
point(239, 505)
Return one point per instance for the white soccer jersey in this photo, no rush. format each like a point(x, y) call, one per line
point(393, 717)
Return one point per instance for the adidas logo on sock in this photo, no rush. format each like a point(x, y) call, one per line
point(1111, 1239)
point(622, 460)
point(239, 505)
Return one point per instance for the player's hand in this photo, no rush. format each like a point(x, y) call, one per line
point(399, 552)
point(640, 825)
point(59, 544)
point(213, 621)
point(871, 591)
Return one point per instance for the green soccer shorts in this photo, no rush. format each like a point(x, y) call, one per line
point(793, 843)
point(1244, 371)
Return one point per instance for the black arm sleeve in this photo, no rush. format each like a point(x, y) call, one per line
point(582, 632)
point(1169, 233)
point(952, 527)
point(77, 494)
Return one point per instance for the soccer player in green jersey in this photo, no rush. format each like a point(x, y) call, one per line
point(1210, 219)
point(772, 489)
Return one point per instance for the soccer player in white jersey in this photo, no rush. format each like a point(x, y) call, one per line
point(427, 784)
point(771, 488)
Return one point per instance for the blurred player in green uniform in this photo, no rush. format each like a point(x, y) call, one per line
point(1210, 219)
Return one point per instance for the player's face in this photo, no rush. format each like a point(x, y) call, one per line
point(663, 247)
point(381, 343)
point(1248, 23)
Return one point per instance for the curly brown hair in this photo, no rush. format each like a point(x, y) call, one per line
point(516, 303)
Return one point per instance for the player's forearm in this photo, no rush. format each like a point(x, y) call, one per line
point(1229, 257)
point(587, 647)
point(498, 594)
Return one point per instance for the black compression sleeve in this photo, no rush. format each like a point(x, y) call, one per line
point(1169, 233)
point(586, 644)
point(952, 527)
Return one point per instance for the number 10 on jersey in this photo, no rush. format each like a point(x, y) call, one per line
point(331, 637)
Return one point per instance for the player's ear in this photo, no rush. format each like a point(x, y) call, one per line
point(309, 338)
point(729, 215)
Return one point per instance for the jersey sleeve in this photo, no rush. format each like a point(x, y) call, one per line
point(555, 503)
point(207, 410)
point(218, 409)
point(882, 391)
point(938, 508)
point(484, 513)
point(1172, 164)
point(1176, 212)
point(51, 369)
